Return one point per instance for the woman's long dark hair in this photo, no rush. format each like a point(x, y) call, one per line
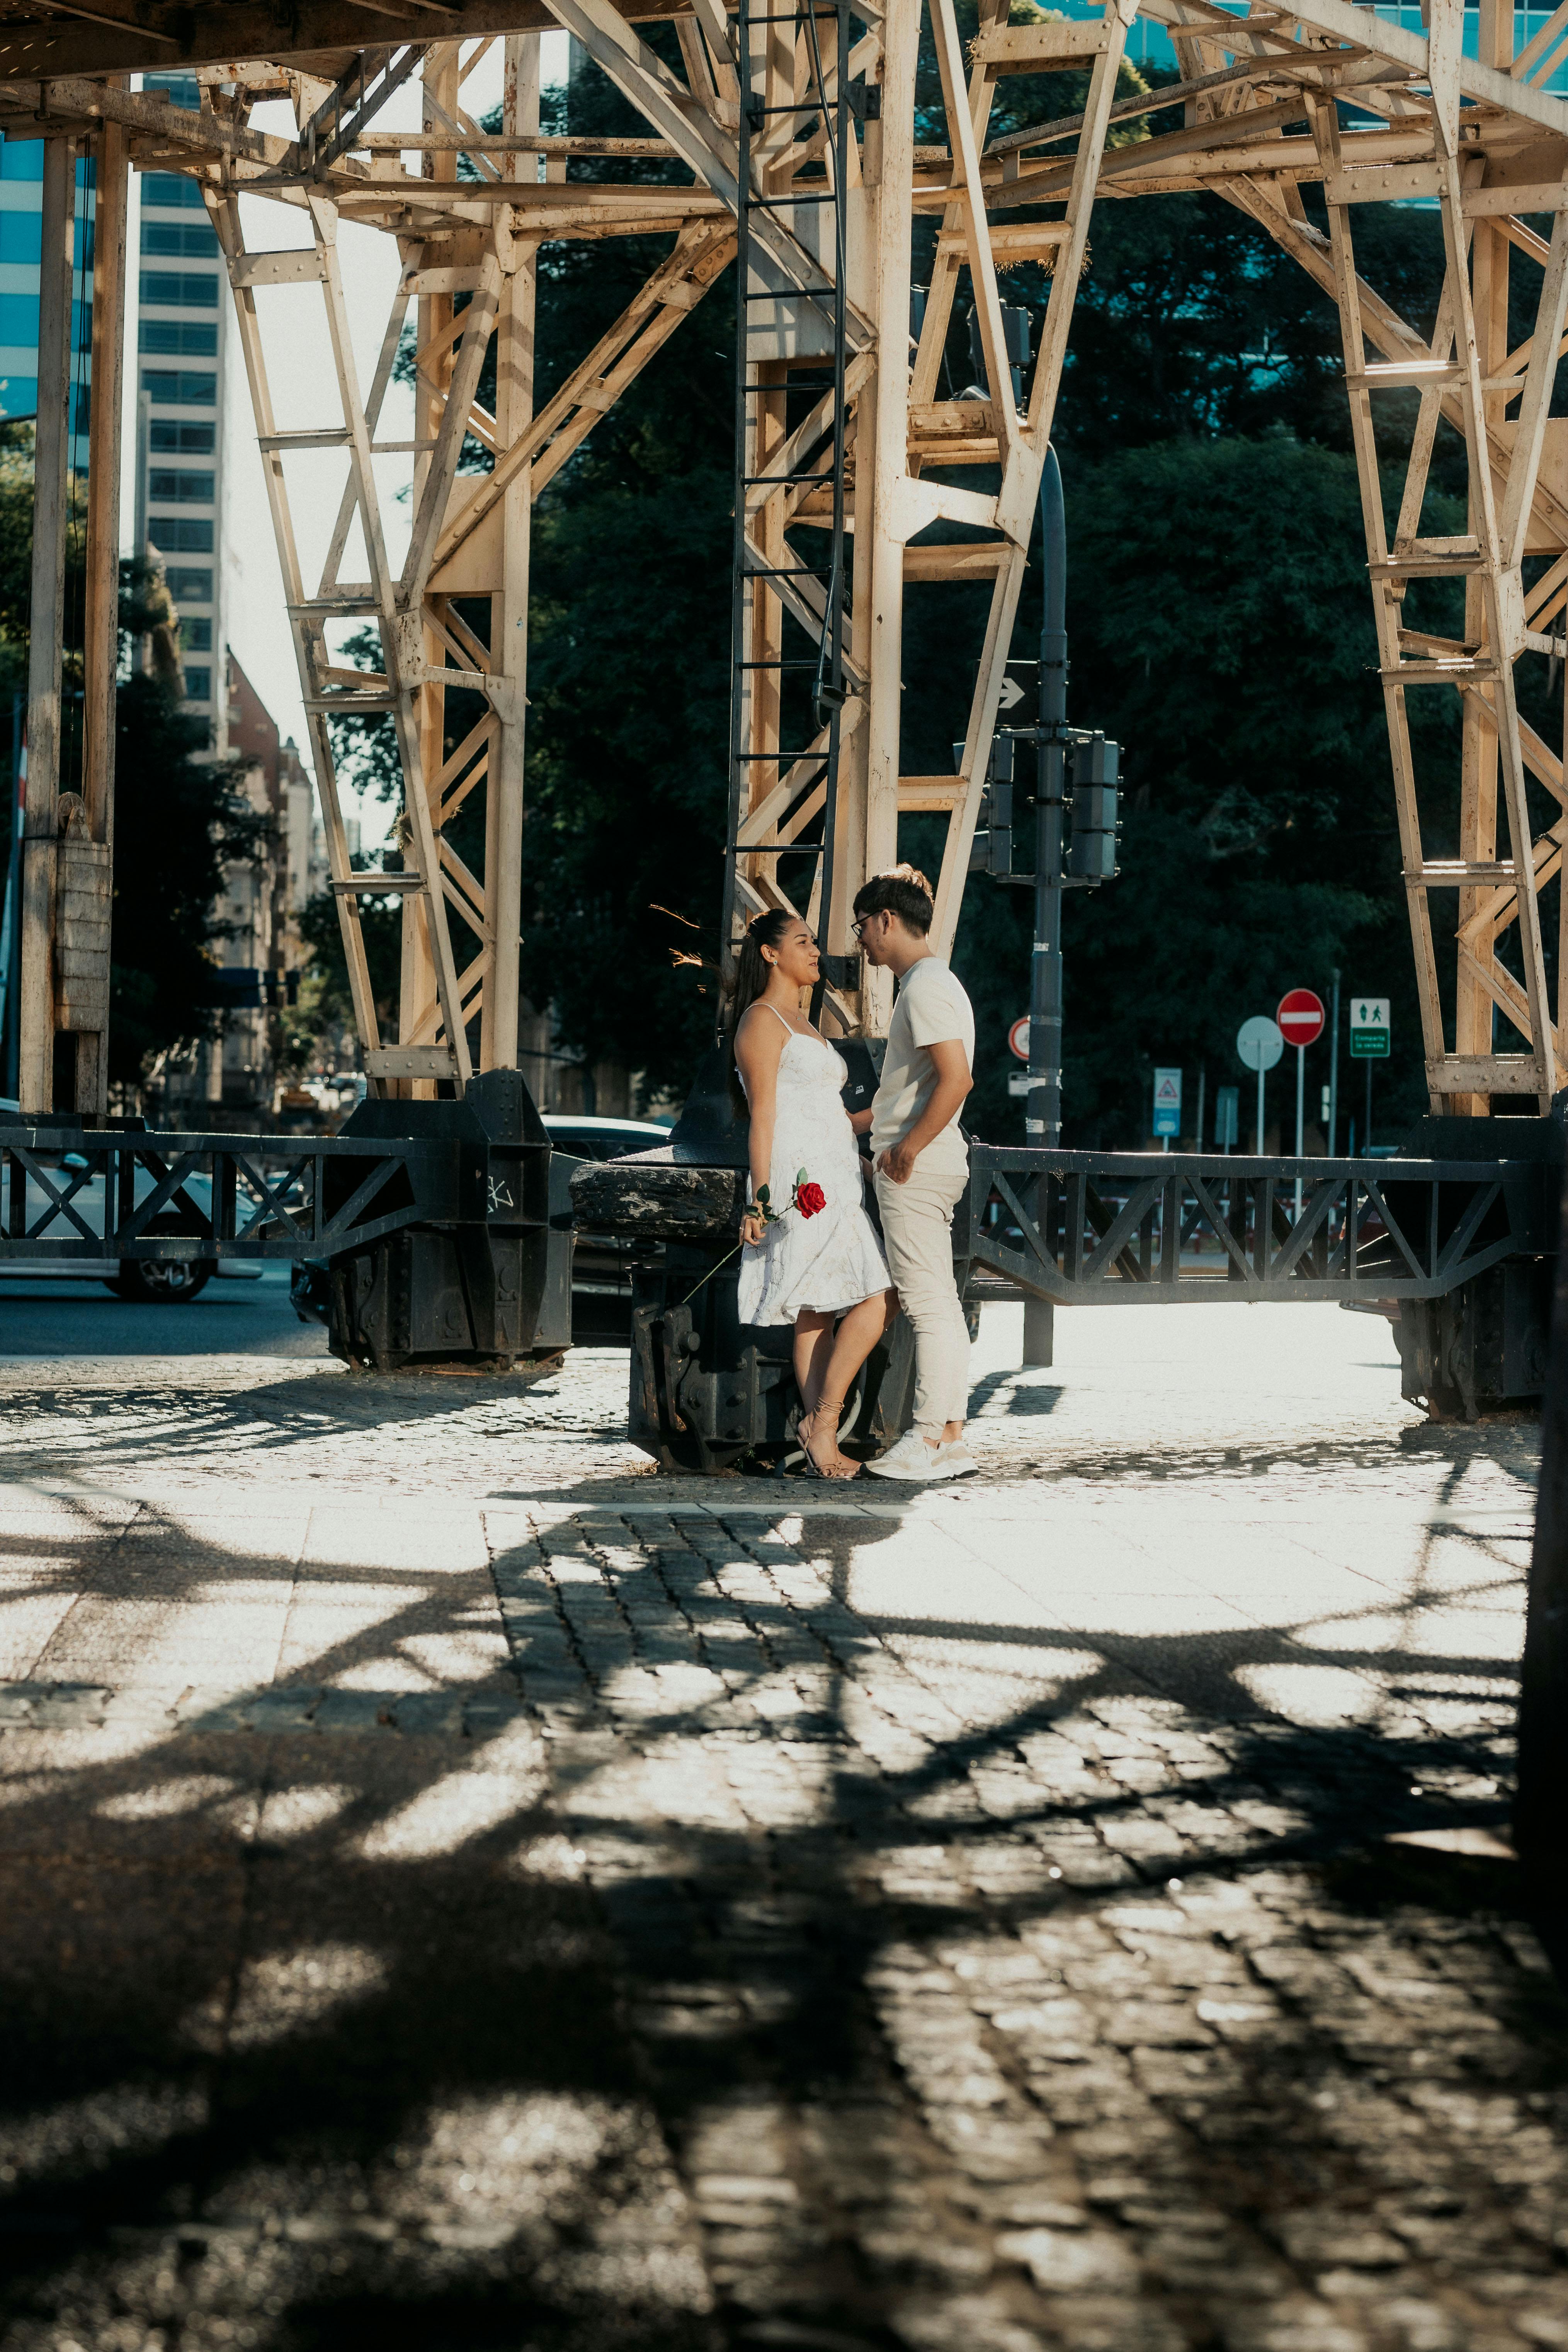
point(751, 980)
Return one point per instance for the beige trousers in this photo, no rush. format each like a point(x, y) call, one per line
point(917, 1233)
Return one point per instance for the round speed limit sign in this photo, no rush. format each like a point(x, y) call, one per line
point(1018, 1038)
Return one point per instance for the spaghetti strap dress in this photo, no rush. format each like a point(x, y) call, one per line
point(827, 1264)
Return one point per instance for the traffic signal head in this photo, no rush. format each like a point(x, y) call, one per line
point(991, 850)
point(1092, 851)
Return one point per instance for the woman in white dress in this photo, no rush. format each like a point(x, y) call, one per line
point(817, 1266)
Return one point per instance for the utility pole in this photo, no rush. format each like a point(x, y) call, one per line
point(85, 876)
point(1334, 1068)
point(1043, 1110)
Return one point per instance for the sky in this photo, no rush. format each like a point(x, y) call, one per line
point(304, 391)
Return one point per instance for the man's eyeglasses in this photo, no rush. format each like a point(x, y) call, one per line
point(857, 928)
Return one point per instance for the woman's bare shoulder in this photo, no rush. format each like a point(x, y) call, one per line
point(760, 1034)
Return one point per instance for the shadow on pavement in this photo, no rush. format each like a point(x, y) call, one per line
point(734, 1967)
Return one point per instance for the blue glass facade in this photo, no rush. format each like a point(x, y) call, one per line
point(21, 196)
point(181, 331)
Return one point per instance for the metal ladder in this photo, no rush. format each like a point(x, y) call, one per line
point(789, 789)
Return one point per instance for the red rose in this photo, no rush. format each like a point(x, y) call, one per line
point(809, 1199)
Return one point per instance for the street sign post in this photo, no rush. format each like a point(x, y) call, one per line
point(1226, 1116)
point(1167, 1106)
point(1369, 1028)
point(1370, 1043)
point(1300, 1018)
point(1259, 1045)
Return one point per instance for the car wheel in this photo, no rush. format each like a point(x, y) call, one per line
point(164, 1282)
point(169, 1282)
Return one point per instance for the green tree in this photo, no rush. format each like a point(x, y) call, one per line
point(15, 585)
point(326, 1003)
point(1261, 847)
point(180, 819)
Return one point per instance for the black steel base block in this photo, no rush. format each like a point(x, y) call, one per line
point(707, 1390)
point(1483, 1347)
point(493, 1288)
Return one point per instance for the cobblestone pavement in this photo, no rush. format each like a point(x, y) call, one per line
point(462, 1892)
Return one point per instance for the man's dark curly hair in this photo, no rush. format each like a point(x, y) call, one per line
point(905, 892)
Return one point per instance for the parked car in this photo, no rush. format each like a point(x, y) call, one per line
point(600, 1264)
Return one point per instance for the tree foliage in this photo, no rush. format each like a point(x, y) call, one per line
point(181, 819)
point(329, 1003)
point(1260, 849)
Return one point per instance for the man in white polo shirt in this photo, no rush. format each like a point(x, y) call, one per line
point(921, 1163)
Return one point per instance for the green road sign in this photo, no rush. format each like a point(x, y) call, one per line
point(1369, 1027)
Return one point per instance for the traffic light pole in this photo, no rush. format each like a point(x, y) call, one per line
point(1043, 1110)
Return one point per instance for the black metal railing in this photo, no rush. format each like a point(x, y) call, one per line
point(1085, 1228)
point(68, 1193)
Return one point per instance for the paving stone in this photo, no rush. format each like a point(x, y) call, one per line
point(741, 1917)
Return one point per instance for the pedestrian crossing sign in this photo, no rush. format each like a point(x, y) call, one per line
point(1369, 1027)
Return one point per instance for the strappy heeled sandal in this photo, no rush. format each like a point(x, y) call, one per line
point(834, 1477)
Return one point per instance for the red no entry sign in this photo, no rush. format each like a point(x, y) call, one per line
point(1300, 1017)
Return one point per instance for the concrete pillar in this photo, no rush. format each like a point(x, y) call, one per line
point(36, 1075)
point(101, 651)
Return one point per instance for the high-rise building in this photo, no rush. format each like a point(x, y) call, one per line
point(183, 325)
point(21, 232)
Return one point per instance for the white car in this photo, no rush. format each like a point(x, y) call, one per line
point(145, 1281)
point(602, 1264)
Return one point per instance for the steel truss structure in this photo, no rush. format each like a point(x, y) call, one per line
point(1108, 1229)
point(793, 128)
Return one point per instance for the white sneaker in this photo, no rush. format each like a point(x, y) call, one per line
point(959, 1463)
point(913, 1458)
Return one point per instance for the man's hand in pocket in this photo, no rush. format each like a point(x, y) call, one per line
point(897, 1163)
